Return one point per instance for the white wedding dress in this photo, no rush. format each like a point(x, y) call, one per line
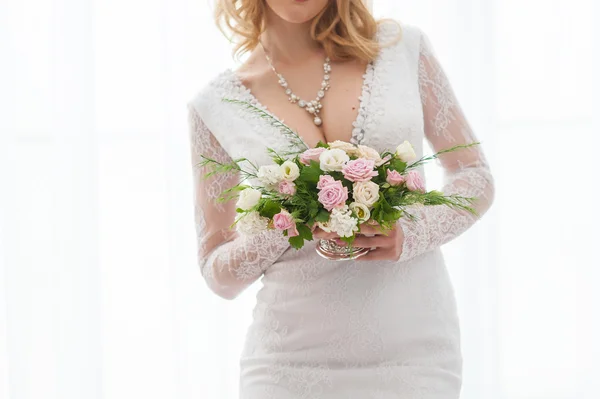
point(344, 330)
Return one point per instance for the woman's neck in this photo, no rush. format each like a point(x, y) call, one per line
point(288, 43)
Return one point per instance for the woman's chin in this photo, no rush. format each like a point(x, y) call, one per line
point(297, 11)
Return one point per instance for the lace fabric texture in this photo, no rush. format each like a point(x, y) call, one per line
point(466, 172)
point(229, 262)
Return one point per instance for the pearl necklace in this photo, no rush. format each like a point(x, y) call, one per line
point(312, 107)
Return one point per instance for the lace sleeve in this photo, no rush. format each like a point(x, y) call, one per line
point(466, 172)
point(228, 262)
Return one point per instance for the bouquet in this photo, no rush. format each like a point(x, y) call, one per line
point(336, 186)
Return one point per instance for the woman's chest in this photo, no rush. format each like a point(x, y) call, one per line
point(388, 111)
point(321, 106)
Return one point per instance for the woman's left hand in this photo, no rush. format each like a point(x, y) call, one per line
point(384, 246)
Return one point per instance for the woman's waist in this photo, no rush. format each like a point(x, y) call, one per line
point(303, 276)
point(357, 306)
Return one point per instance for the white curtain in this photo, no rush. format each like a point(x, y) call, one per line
point(100, 296)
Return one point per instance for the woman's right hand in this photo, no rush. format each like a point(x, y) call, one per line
point(385, 246)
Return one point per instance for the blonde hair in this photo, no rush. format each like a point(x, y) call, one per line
point(345, 28)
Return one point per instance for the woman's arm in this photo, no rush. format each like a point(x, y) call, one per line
point(466, 172)
point(229, 263)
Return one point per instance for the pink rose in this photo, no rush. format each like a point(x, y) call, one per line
point(284, 221)
point(292, 232)
point(360, 169)
point(325, 180)
point(311, 154)
point(287, 187)
point(333, 195)
point(394, 178)
point(414, 181)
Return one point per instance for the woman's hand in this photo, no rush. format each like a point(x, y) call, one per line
point(384, 246)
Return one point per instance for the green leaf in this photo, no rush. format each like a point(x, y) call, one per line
point(320, 144)
point(397, 165)
point(269, 209)
point(338, 176)
point(392, 215)
point(346, 183)
point(313, 209)
point(322, 216)
point(310, 173)
point(296, 242)
point(304, 231)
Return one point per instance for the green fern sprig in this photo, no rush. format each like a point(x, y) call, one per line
point(438, 198)
point(294, 138)
point(437, 154)
point(221, 167)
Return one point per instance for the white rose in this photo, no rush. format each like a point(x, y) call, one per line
point(342, 222)
point(365, 192)
point(369, 153)
point(251, 223)
point(361, 211)
point(348, 148)
point(269, 174)
point(248, 198)
point(333, 160)
point(289, 171)
point(405, 152)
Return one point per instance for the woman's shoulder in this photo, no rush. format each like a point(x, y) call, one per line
point(210, 94)
point(395, 33)
point(400, 42)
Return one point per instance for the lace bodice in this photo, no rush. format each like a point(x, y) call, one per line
point(406, 96)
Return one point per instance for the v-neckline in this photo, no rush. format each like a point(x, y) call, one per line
point(358, 128)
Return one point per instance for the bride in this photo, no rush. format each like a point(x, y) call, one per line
point(384, 325)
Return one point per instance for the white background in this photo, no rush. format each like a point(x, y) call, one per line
point(100, 296)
